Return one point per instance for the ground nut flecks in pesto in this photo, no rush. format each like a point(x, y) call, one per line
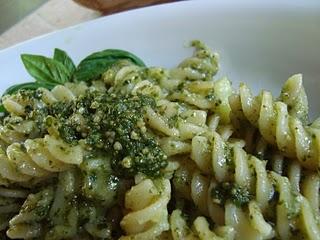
point(106, 122)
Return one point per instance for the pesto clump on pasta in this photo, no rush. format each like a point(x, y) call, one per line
point(113, 149)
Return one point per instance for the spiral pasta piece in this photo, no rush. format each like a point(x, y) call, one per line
point(190, 82)
point(191, 184)
point(195, 74)
point(190, 131)
point(200, 230)
point(290, 207)
point(134, 80)
point(246, 176)
point(294, 95)
point(31, 222)
point(203, 65)
point(56, 213)
point(287, 132)
point(210, 95)
point(10, 203)
point(128, 78)
point(38, 158)
point(64, 210)
point(21, 124)
point(236, 179)
point(17, 104)
point(302, 181)
point(63, 93)
point(17, 132)
point(248, 225)
point(26, 224)
point(148, 217)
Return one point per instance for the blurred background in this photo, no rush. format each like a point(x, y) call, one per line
point(14, 10)
point(24, 19)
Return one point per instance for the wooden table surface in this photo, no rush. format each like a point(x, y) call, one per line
point(53, 15)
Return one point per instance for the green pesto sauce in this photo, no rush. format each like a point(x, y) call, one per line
point(240, 196)
point(228, 155)
point(110, 123)
point(38, 204)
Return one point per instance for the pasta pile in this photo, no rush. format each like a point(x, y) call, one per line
point(152, 153)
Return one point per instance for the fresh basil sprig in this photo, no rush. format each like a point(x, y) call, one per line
point(2, 109)
point(96, 63)
point(45, 69)
point(63, 57)
point(49, 72)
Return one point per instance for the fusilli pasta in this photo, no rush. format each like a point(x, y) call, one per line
point(37, 158)
point(138, 152)
point(288, 132)
point(148, 217)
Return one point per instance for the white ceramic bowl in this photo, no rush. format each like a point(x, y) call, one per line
point(260, 42)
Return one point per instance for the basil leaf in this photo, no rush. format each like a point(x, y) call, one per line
point(28, 85)
point(63, 57)
point(46, 70)
point(2, 109)
point(95, 64)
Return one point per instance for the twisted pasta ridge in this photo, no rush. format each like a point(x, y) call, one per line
point(209, 95)
point(288, 133)
point(57, 203)
point(37, 158)
point(294, 95)
point(17, 132)
point(94, 215)
point(18, 103)
point(20, 125)
point(249, 224)
point(125, 77)
point(25, 225)
point(62, 93)
point(196, 86)
point(128, 78)
point(203, 65)
point(206, 194)
point(10, 203)
point(176, 122)
point(148, 217)
point(180, 126)
point(303, 181)
point(192, 185)
point(191, 82)
point(290, 207)
point(240, 179)
point(67, 215)
point(64, 220)
point(200, 229)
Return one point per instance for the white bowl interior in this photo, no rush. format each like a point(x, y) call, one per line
point(261, 43)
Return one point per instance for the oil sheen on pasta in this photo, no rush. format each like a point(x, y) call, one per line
point(153, 153)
